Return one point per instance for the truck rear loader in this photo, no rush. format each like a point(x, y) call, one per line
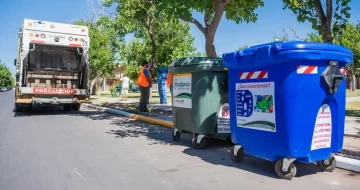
point(52, 65)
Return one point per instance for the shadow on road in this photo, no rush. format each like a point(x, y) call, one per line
point(216, 153)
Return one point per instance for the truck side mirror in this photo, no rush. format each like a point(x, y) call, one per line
point(14, 62)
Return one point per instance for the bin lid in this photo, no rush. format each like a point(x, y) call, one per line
point(196, 61)
point(298, 45)
point(196, 64)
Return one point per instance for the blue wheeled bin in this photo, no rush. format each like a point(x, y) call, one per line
point(287, 103)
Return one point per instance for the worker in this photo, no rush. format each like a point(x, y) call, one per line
point(161, 79)
point(169, 82)
point(144, 82)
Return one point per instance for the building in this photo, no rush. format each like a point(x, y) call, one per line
point(113, 81)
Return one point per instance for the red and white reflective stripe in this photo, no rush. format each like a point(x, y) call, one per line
point(75, 45)
point(306, 69)
point(343, 71)
point(254, 75)
point(37, 41)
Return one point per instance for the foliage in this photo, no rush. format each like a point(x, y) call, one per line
point(173, 40)
point(350, 38)
point(137, 17)
point(320, 15)
point(159, 37)
point(236, 10)
point(6, 79)
point(133, 54)
point(102, 49)
point(243, 47)
point(112, 90)
point(198, 54)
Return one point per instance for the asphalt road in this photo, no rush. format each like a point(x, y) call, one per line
point(58, 150)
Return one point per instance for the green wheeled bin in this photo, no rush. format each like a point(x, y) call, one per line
point(200, 99)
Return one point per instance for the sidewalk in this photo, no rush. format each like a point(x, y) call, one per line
point(352, 124)
point(352, 99)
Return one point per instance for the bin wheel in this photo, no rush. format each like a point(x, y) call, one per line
point(328, 167)
point(202, 144)
point(239, 156)
point(288, 174)
point(176, 137)
point(228, 139)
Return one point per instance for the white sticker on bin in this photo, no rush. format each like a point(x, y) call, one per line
point(223, 119)
point(306, 69)
point(322, 129)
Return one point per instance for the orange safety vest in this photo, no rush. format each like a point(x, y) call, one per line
point(142, 80)
point(169, 79)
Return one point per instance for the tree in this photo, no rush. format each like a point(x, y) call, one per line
point(6, 79)
point(243, 48)
point(213, 11)
point(102, 52)
point(138, 17)
point(350, 38)
point(173, 40)
point(321, 15)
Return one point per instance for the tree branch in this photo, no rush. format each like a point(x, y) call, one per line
point(329, 12)
point(194, 21)
point(320, 12)
point(206, 18)
point(218, 13)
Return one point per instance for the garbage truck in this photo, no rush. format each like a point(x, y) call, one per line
point(52, 65)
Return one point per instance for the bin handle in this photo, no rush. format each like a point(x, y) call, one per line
point(332, 77)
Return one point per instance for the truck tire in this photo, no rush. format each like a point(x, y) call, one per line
point(18, 108)
point(76, 107)
point(67, 107)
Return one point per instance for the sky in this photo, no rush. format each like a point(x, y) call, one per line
point(272, 19)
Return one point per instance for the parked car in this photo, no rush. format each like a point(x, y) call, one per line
point(3, 89)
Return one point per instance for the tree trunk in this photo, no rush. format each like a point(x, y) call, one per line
point(152, 39)
point(153, 48)
point(209, 45)
point(209, 30)
point(325, 20)
point(93, 82)
point(326, 33)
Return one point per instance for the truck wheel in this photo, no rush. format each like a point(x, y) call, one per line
point(67, 107)
point(76, 107)
point(18, 108)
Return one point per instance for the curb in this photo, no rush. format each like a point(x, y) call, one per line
point(349, 135)
point(347, 163)
point(133, 116)
point(342, 162)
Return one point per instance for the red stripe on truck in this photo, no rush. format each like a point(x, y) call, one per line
point(37, 41)
point(75, 45)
